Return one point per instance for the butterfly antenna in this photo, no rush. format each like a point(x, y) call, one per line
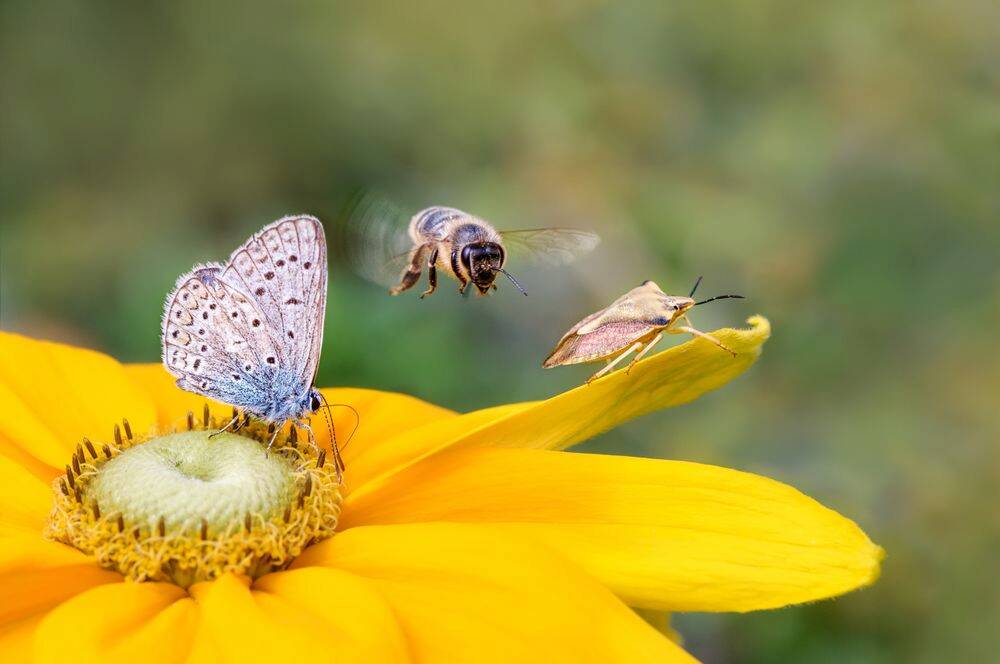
point(357, 416)
point(513, 280)
point(698, 281)
point(720, 297)
point(333, 433)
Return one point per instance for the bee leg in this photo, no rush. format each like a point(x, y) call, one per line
point(465, 284)
point(615, 362)
point(709, 337)
point(432, 275)
point(642, 353)
point(412, 274)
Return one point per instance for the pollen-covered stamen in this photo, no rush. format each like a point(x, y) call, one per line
point(184, 507)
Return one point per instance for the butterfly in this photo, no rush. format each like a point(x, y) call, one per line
point(248, 332)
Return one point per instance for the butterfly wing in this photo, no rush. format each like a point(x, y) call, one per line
point(554, 246)
point(265, 307)
point(283, 269)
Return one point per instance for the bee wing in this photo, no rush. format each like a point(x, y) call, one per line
point(553, 246)
point(376, 241)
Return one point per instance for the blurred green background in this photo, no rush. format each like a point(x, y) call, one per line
point(839, 163)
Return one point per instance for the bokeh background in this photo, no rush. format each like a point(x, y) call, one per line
point(839, 163)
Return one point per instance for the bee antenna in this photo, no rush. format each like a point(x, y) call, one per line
point(357, 418)
point(720, 297)
point(513, 281)
point(691, 294)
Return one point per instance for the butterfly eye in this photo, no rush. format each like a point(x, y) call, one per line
point(314, 402)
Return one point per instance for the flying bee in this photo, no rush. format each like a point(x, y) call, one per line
point(462, 246)
point(635, 322)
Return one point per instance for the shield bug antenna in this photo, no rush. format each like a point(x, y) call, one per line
point(695, 287)
point(720, 297)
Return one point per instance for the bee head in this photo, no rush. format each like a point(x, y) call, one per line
point(482, 261)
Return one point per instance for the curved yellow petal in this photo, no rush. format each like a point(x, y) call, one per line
point(661, 534)
point(51, 395)
point(25, 500)
point(673, 377)
point(122, 622)
point(467, 593)
point(239, 625)
point(36, 575)
point(345, 610)
point(17, 639)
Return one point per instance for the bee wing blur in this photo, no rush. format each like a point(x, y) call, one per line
point(553, 246)
point(376, 243)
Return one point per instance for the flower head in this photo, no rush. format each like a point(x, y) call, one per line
point(454, 536)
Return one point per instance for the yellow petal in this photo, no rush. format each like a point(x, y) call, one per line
point(36, 575)
point(339, 607)
point(122, 622)
point(240, 625)
point(466, 593)
point(17, 639)
point(171, 402)
point(661, 534)
point(51, 395)
point(25, 500)
point(673, 377)
point(383, 456)
point(382, 416)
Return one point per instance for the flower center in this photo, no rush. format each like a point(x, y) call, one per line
point(188, 506)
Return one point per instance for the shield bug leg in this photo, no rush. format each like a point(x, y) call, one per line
point(615, 362)
point(432, 275)
point(645, 349)
point(709, 337)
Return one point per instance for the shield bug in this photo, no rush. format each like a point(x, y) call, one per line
point(633, 323)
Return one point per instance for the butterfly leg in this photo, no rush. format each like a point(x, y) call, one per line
point(277, 430)
point(642, 353)
point(412, 274)
point(234, 423)
point(338, 462)
point(615, 362)
point(709, 337)
point(432, 275)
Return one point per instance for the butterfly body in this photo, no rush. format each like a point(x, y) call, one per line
point(248, 332)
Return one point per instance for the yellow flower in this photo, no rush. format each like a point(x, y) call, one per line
point(462, 537)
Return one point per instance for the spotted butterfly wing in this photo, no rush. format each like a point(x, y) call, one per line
point(249, 332)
